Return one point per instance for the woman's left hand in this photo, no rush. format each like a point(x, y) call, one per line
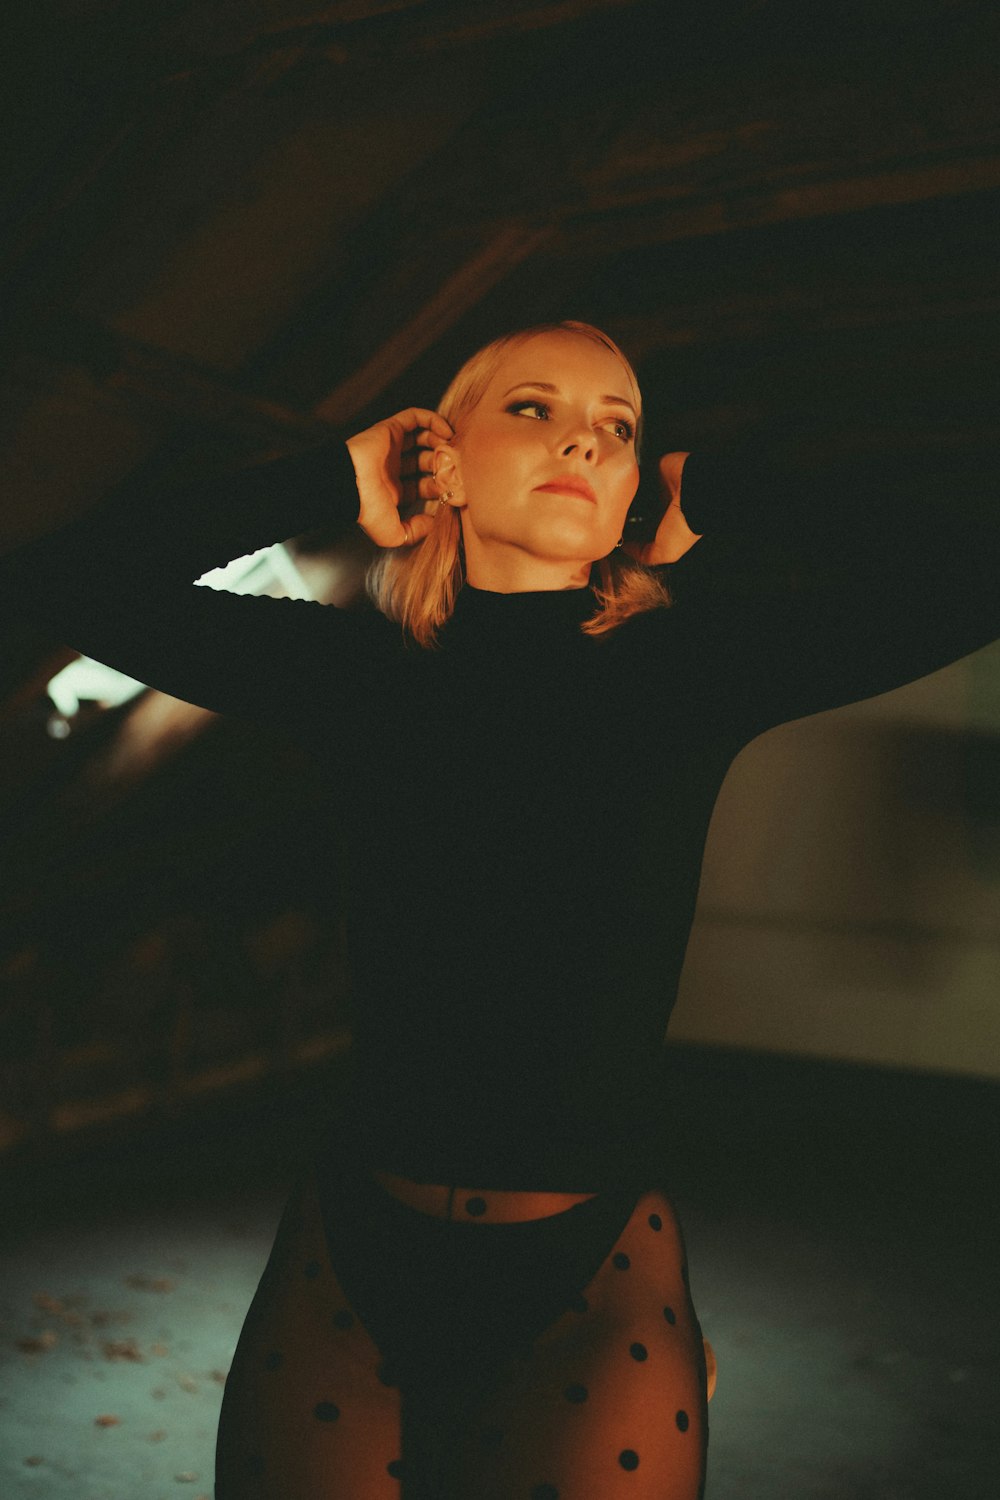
point(673, 536)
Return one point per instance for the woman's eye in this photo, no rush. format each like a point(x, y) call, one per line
point(622, 429)
point(522, 406)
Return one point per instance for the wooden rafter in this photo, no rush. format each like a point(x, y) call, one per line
point(509, 247)
point(748, 206)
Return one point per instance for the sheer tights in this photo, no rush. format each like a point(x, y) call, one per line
point(608, 1401)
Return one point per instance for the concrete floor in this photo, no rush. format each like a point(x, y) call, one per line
point(843, 1245)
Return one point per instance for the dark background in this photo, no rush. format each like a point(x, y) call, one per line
point(227, 226)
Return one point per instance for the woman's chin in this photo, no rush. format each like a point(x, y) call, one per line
point(572, 543)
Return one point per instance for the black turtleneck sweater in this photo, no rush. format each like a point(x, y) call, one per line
point(525, 807)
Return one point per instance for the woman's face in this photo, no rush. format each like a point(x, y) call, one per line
point(545, 465)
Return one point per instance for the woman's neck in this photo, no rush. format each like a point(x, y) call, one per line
point(509, 570)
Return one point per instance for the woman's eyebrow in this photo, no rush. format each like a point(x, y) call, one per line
point(545, 385)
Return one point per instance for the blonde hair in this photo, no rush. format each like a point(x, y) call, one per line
point(418, 585)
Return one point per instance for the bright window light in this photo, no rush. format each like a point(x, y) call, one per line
point(86, 679)
point(271, 570)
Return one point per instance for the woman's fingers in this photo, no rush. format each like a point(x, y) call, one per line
point(413, 418)
point(414, 528)
point(419, 425)
point(418, 461)
point(417, 491)
point(393, 461)
point(418, 485)
point(426, 437)
point(416, 470)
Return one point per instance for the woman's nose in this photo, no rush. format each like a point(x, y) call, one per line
point(582, 444)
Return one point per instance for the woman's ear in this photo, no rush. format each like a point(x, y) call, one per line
point(448, 476)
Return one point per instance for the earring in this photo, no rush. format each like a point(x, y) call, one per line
point(432, 507)
point(619, 542)
point(448, 494)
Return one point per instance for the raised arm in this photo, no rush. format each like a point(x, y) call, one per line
point(886, 588)
point(117, 584)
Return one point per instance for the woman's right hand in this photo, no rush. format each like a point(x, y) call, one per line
point(673, 536)
point(393, 465)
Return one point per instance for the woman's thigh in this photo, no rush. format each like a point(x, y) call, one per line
point(612, 1399)
point(609, 1400)
point(305, 1414)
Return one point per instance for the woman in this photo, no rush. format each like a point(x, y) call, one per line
point(479, 1289)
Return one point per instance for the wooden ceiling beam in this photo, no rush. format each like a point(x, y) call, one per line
point(577, 237)
point(795, 311)
point(508, 247)
point(608, 232)
point(650, 167)
point(157, 383)
point(353, 30)
point(587, 197)
point(165, 385)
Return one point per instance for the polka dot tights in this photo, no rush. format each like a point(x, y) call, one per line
point(606, 1400)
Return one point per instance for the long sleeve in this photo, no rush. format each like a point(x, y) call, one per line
point(892, 586)
point(118, 586)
